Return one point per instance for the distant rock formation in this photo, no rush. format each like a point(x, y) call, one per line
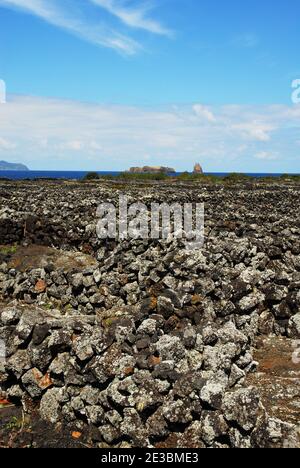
point(152, 170)
point(6, 166)
point(198, 169)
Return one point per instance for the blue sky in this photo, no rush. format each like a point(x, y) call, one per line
point(106, 84)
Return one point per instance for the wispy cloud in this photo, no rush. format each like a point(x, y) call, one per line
point(259, 130)
point(86, 20)
point(266, 156)
point(134, 15)
point(59, 134)
point(6, 145)
point(246, 41)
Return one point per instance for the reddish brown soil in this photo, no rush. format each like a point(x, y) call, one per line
point(36, 256)
point(278, 378)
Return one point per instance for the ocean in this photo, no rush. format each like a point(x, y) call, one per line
point(77, 175)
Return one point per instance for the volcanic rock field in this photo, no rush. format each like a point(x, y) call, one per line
point(142, 343)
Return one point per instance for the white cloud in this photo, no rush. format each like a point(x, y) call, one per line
point(88, 23)
point(74, 145)
point(266, 156)
point(6, 145)
point(134, 16)
point(2, 92)
point(255, 130)
point(59, 134)
point(204, 112)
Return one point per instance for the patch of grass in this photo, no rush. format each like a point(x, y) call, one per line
point(15, 424)
point(8, 249)
point(187, 176)
point(203, 178)
point(237, 177)
point(295, 178)
point(146, 176)
point(109, 322)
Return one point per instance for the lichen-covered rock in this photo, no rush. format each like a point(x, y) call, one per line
point(294, 326)
point(170, 348)
point(177, 412)
point(242, 407)
point(50, 406)
point(213, 426)
point(248, 303)
point(273, 433)
point(18, 363)
point(212, 394)
point(36, 383)
point(10, 315)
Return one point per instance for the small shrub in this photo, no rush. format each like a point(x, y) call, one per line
point(237, 177)
point(91, 176)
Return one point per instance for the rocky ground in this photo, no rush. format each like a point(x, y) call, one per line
point(142, 343)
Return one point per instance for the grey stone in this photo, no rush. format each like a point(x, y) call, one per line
point(242, 407)
point(10, 315)
point(95, 415)
point(248, 303)
point(294, 326)
point(50, 406)
point(213, 426)
point(170, 348)
point(212, 394)
point(35, 383)
point(77, 280)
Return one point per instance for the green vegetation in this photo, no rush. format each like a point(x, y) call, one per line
point(15, 424)
point(47, 306)
point(191, 177)
point(91, 176)
point(8, 249)
point(108, 177)
point(146, 176)
point(293, 177)
point(237, 177)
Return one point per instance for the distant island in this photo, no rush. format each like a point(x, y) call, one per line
point(152, 170)
point(6, 166)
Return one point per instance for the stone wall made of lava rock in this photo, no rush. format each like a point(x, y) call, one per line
point(137, 379)
point(151, 345)
point(262, 296)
